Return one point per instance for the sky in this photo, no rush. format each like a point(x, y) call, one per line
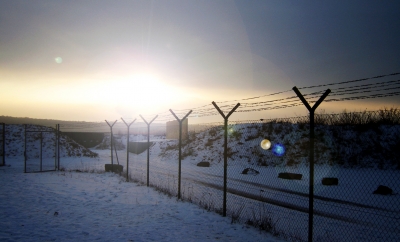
point(96, 60)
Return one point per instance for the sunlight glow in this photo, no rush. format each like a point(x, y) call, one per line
point(145, 88)
point(144, 92)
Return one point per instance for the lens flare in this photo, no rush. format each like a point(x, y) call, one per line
point(58, 60)
point(265, 144)
point(278, 149)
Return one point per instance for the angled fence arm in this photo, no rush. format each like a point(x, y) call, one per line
point(143, 119)
point(219, 110)
point(153, 119)
point(233, 110)
point(302, 98)
point(321, 99)
point(187, 115)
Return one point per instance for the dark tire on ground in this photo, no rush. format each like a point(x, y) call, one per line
point(250, 171)
point(383, 190)
point(290, 176)
point(330, 181)
point(203, 164)
point(114, 168)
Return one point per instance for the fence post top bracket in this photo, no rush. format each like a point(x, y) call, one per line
point(127, 123)
point(148, 123)
point(315, 106)
point(112, 124)
point(222, 114)
point(180, 120)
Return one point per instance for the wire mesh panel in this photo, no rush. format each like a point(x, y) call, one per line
point(40, 149)
point(203, 167)
point(138, 147)
point(265, 189)
point(356, 174)
point(201, 176)
point(163, 173)
point(33, 150)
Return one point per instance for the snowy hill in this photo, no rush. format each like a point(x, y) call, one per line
point(373, 146)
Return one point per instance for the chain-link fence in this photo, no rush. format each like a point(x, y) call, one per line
point(268, 182)
point(356, 164)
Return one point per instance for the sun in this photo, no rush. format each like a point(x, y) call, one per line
point(126, 94)
point(145, 91)
point(141, 87)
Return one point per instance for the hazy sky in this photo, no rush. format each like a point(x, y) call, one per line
point(96, 60)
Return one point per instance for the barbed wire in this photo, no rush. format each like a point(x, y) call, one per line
point(356, 80)
point(307, 87)
point(343, 91)
point(316, 95)
point(311, 99)
point(342, 94)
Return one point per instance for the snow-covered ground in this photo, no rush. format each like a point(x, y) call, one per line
point(349, 211)
point(74, 206)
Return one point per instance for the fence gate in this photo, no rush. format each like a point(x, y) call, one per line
point(40, 149)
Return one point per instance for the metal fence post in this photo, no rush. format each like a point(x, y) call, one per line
point(127, 148)
point(41, 143)
point(58, 145)
point(225, 151)
point(180, 149)
point(116, 153)
point(4, 144)
point(55, 148)
point(311, 157)
point(25, 155)
point(111, 145)
point(148, 143)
